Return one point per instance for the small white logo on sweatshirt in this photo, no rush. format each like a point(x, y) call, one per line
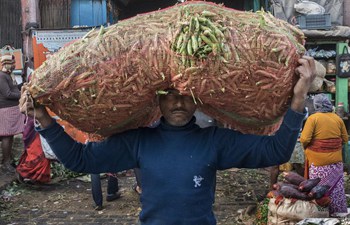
point(197, 181)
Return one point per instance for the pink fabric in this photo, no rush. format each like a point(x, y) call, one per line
point(330, 175)
point(11, 121)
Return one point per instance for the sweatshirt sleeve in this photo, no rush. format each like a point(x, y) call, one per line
point(114, 154)
point(256, 151)
point(5, 88)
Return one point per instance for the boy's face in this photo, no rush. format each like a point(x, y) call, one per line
point(177, 109)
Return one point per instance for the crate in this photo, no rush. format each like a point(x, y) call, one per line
point(315, 22)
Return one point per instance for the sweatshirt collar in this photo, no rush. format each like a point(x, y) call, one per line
point(166, 126)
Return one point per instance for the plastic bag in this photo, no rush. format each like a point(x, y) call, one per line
point(309, 8)
point(288, 212)
point(343, 63)
point(327, 221)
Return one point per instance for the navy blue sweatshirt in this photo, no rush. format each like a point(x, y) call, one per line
point(178, 164)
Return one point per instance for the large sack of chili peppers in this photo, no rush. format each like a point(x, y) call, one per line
point(238, 66)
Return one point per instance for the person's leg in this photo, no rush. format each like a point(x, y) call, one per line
point(7, 158)
point(96, 191)
point(112, 185)
point(137, 186)
point(6, 146)
point(137, 176)
point(274, 171)
point(112, 189)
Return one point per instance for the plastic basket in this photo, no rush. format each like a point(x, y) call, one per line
point(315, 22)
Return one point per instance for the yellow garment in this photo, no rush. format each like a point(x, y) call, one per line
point(286, 167)
point(321, 126)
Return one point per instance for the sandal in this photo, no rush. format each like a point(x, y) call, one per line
point(23, 180)
point(112, 197)
point(137, 189)
point(98, 207)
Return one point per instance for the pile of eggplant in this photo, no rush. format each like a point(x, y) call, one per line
point(297, 187)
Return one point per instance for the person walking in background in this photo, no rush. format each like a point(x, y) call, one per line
point(11, 119)
point(96, 189)
point(323, 135)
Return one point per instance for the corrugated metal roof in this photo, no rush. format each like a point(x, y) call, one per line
point(10, 23)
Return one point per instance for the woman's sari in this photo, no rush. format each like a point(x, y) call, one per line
point(33, 164)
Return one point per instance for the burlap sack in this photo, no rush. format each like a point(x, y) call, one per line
point(318, 81)
point(289, 213)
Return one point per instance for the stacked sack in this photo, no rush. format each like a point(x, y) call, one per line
point(7, 63)
point(296, 198)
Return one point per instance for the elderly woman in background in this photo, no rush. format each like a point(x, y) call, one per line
point(323, 135)
point(11, 119)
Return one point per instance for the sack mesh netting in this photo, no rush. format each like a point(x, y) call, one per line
point(237, 65)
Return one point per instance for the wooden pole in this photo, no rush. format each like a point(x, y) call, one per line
point(30, 20)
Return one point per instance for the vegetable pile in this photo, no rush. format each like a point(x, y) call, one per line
point(297, 187)
point(238, 66)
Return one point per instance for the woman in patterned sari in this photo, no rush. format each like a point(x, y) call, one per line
point(323, 135)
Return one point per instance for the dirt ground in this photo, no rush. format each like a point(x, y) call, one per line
point(237, 194)
point(71, 195)
point(236, 197)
